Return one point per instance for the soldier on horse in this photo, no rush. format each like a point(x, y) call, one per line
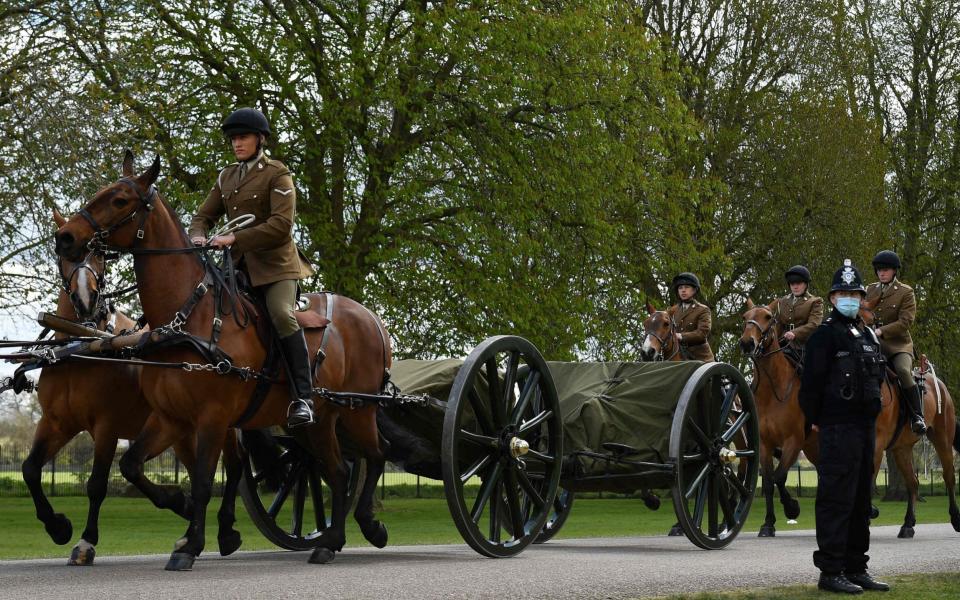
point(692, 319)
point(261, 186)
point(895, 308)
point(798, 313)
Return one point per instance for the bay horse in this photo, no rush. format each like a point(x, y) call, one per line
point(104, 400)
point(782, 427)
point(130, 214)
point(660, 337)
point(782, 422)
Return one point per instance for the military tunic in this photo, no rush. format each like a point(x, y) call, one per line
point(693, 323)
point(799, 314)
point(895, 309)
point(266, 246)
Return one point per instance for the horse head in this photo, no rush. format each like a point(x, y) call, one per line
point(116, 214)
point(658, 336)
point(866, 312)
point(82, 281)
point(759, 329)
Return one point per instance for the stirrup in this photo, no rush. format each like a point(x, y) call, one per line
point(299, 414)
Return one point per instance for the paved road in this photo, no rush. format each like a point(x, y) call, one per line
point(635, 567)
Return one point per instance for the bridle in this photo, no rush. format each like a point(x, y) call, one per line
point(100, 234)
point(66, 280)
point(659, 355)
point(758, 351)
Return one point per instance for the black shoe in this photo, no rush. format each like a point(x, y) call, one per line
point(917, 424)
point(866, 582)
point(297, 358)
point(299, 414)
point(838, 583)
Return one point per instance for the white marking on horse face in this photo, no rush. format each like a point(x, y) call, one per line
point(83, 292)
point(647, 345)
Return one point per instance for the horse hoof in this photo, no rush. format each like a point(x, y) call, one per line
point(376, 535)
point(180, 561)
point(652, 502)
point(874, 512)
point(905, 533)
point(229, 543)
point(791, 509)
point(675, 531)
point(767, 531)
point(321, 556)
point(60, 529)
point(82, 555)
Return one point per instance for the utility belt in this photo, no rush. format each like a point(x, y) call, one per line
point(858, 372)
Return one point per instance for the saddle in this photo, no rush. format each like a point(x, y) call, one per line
point(794, 355)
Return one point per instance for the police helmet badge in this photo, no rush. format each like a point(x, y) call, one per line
point(849, 275)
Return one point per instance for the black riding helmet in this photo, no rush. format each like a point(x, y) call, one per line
point(797, 274)
point(886, 259)
point(847, 279)
point(686, 279)
point(246, 120)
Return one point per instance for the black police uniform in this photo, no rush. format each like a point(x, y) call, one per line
point(840, 393)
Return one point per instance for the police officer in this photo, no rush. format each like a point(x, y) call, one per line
point(692, 319)
point(263, 187)
point(840, 397)
point(895, 308)
point(799, 312)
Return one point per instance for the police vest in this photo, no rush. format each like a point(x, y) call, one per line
point(858, 367)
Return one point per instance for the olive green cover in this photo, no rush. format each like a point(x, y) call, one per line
point(621, 402)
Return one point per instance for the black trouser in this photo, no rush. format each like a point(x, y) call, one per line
point(844, 485)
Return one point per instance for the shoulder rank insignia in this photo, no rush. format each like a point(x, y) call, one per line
point(282, 192)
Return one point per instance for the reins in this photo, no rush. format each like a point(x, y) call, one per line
point(758, 354)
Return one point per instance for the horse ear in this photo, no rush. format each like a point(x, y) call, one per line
point(127, 168)
point(772, 307)
point(152, 173)
point(749, 303)
point(650, 308)
point(58, 218)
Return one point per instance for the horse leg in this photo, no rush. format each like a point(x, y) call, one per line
point(228, 539)
point(904, 459)
point(153, 439)
point(210, 442)
point(362, 427)
point(791, 508)
point(105, 446)
point(323, 442)
point(942, 443)
point(766, 472)
point(47, 441)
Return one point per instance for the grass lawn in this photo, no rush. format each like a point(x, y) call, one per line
point(134, 526)
point(903, 587)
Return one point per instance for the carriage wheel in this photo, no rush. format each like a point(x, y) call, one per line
point(562, 505)
point(286, 504)
point(505, 432)
point(714, 446)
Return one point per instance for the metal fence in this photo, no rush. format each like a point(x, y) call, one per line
point(67, 474)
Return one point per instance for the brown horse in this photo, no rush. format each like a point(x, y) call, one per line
point(943, 431)
point(103, 399)
point(659, 337)
point(781, 420)
point(204, 405)
point(782, 423)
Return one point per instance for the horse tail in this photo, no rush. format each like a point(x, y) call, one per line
point(956, 436)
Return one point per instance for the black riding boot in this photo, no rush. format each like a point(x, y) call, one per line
point(295, 353)
point(917, 424)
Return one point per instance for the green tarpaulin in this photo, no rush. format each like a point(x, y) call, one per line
point(624, 403)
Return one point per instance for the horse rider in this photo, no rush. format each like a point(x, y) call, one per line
point(691, 318)
point(799, 313)
point(894, 309)
point(840, 397)
point(259, 185)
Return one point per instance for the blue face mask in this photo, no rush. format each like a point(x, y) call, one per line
point(848, 307)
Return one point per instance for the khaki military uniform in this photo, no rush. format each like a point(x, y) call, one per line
point(895, 311)
point(693, 325)
point(799, 314)
point(266, 246)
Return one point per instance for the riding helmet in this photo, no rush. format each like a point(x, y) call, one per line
point(686, 279)
point(847, 279)
point(886, 259)
point(246, 120)
point(798, 274)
